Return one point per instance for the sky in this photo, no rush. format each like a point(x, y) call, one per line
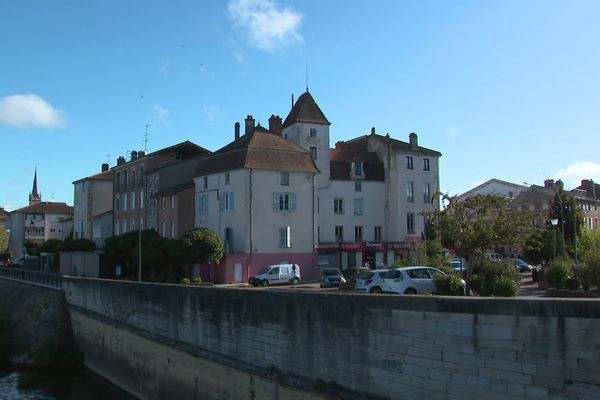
point(503, 89)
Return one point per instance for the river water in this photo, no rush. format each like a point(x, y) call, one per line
point(88, 387)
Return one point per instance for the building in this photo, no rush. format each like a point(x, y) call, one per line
point(39, 221)
point(134, 197)
point(258, 194)
point(495, 187)
point(587, 196)
point(92, 197)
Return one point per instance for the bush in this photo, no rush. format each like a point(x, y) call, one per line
point(449, 285)
point(184, 281)
point(496, 279)
point(197, 280)
point(558, 273)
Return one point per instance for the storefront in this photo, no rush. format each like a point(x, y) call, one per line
point(365, 254)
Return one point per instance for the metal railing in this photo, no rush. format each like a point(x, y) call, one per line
point(52, 279)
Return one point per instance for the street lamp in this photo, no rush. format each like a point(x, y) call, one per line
point(554, 222)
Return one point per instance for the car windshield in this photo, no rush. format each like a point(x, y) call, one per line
point(264, 270)
point(366, 275)
point(330, 272)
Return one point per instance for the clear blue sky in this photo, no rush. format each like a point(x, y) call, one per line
point(504, 89)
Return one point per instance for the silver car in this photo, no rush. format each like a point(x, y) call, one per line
point(371, 281)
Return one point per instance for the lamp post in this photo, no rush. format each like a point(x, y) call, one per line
point(554, 222)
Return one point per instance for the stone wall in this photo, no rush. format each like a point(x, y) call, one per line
point(382, 346)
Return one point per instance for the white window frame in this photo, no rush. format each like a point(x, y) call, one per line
point(284, 178)
point(359, 206)
point(338, 205)
point(410, 192)
point(285, 237)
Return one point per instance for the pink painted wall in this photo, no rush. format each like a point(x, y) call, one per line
point(252, 263)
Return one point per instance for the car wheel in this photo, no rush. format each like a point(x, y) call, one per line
point(295, 281)
point(265, 283)
point(410, 291)
point(375, 290)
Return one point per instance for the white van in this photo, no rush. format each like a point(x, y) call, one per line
point(277, 274)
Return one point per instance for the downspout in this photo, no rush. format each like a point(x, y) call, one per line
point(250, 218)
point(387, 187)
point(315, 244)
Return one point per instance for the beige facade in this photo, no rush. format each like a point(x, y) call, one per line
point(92, 197)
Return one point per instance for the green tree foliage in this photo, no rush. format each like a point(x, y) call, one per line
point(478, 223)
point(539, 246)
point(496, 279)
point(51, 246)
point(202, 245)
point(570, 220)
point(3, 238)
point(78, 245)
point(558, 273)
point(589, 272)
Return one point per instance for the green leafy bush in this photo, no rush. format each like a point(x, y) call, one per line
point(197, 280)
point(449, 285)
point(184, 281)
point(496, 279)
point(558, 273)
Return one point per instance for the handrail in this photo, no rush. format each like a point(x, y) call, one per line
point(39, 278)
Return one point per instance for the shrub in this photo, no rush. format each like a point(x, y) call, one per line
point(449, 285)
point(184, 281)
point(197, 280)
point(496, 279)
point(558, 273)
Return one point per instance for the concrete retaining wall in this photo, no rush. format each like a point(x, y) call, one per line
point(385, 346)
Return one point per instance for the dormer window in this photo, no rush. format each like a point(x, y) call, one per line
point(313, 132)
point(357, 168)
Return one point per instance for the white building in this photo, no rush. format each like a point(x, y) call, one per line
point(495, 187)
point(92, 198)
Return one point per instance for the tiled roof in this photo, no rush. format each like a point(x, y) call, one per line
point(102, 176)
point(178, 176)
point(493, 180)
point(258, 150)
point(341, 158)
point(306, 110)
point(46, 207)
point(533, 195)
point(396, 144)
point(591, 188)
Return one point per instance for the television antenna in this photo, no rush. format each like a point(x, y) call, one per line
point(146, 135)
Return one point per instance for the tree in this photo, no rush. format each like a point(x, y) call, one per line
point(3, 238)
point(201, 245)
point(570, 219)
point(478, 223)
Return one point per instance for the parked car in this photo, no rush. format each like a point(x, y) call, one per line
point(371, 281)
point(331, 277)
point(407, 280)
point(521, 265)
point(25, 261)
point(276, 274)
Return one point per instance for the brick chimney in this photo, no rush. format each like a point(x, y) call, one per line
point(549, 183)
point(236, 129)
point(275, 125)
point(104, 167)
point(120, 160)
point(249, 125)
point(413, 141)
point(134, 155)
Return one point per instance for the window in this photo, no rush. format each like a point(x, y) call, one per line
point(377, 234)
point(227, 178)
point(141, 176)
point(410, 192)
point(141, 199)
point(125, 198)
point(228, 201)
point(338, 206)
point(132, 202)
point(117, 182)
point(409, 162)
point(132, 224)
point(313, 132)
point(426, 164)
point(124, 225)
point(163, 230)
point(172, 229)
point(205, 182)
point(358, 168)
point(203, 205)
point(358, 186)
point(118, 203)
point(426, 193)
point(359, 206)
point(410, 223)
point(339, 233)
point(313, 152)
point(125, 180)
point(228, 234)
point(141, 223)
point(133, 182)
point(117, 230)
point(285, 239)
point(284, 178)
point(172, 201)
point(358, 233)
point(284, 201)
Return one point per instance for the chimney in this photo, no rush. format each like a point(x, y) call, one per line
point(104, 167)
point(413, 141)
point(237, 130)
point(249, 125)
point(292, 100)
point(133, 155)
point(120, 160)
point(141, 153)
point(275, 125)
point(372, 130)
point(560, 184)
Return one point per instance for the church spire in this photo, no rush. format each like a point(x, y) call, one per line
point(34, 197)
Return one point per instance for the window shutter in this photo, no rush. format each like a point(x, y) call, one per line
point(232, 202)
point(292, 202)
point(275, 201)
